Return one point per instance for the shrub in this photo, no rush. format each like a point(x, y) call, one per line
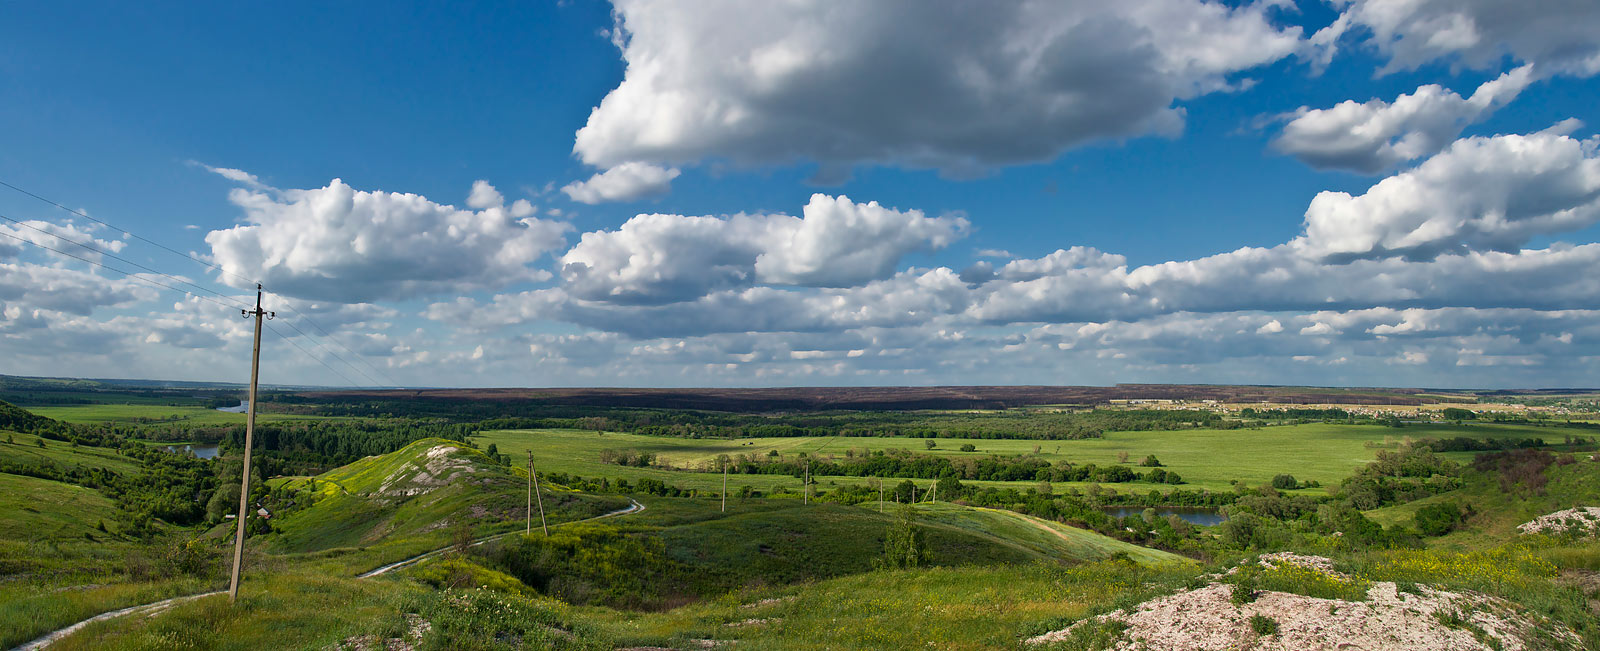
point(1284, 482)
point(1150, 462)
point(968, 447)
point(1263, 625)
point(1437, 519)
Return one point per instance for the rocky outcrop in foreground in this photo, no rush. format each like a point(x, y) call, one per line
point(1418, 619)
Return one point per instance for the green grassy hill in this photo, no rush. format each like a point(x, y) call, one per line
point(26, 452)
point(417, 494)
point(1043, 539)
point(34, 511)
point(799, 543)
point(1496, 512)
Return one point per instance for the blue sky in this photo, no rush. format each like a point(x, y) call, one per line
point(660, 191)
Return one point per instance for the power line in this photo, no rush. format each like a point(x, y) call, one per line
point(357, 369)
point(177, 280)
point(307, 318)
point(208, 265)
point(84, 215)
point(128, 274)
point(314, 357)
point(125, 260)
point(138, 277)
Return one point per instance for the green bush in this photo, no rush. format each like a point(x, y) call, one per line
point(1437, 519)
point(1263, 625)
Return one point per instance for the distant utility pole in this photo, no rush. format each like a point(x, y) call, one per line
point(249, 442)
point(527, 527)
point(534, 476)
point(806, 498)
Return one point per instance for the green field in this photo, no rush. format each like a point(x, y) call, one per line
point(1207, 459)
point(26, 452)
point(154, 414)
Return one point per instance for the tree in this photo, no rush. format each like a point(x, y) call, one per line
point(493, 452)
point(950, 488)
point(930, 444)
point(902, 492)
point(223, 502)
point(1284, 482)
point(1150, 462)
point(903, 545)
point(1122, 457)
point(968, 447)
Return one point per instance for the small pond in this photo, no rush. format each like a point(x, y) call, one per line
point(244, 406)
point(1200, 515)
point(203, 450)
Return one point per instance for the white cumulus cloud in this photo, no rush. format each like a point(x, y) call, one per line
point(628, 181)
point(944, 84)
point(338, 243)
point(656, 258)
point(1373, 136)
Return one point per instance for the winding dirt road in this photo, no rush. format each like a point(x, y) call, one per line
point(157, 606)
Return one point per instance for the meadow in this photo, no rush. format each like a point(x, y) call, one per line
point(151, 413)
point(770, 572)
point(1208, 459)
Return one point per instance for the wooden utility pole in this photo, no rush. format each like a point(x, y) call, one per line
point(249, 442)
point(534, 475)
point(527, 528)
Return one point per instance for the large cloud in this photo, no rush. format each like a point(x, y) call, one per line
point(653, 259)
point(1374, 136)
point(338, 243)
point(1558, 35)
point(947, 84)
point(1480, 194)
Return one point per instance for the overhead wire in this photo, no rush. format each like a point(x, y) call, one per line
point(124, 260)
point(208, 299)
point(209, 265)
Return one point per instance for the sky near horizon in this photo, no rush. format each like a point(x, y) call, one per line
point(732, 193)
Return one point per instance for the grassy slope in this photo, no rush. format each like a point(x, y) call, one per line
point(56, 566)
point(39, 510)
point(1047, 540)
point(362, 504)
point(799, 543)
point(27, 452)
point(1497, 513)
point(1207, 459)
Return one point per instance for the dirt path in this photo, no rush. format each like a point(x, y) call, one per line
point(634, 507)
point(152, 608)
